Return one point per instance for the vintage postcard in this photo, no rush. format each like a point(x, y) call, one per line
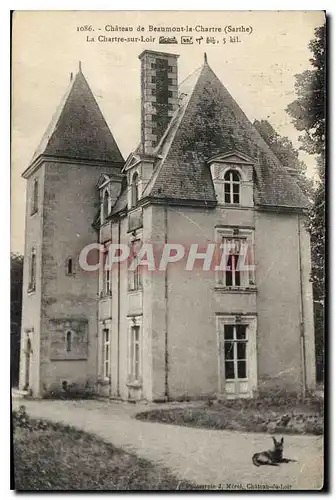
point(167, 265)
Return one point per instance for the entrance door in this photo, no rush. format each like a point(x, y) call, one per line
point(236, 360)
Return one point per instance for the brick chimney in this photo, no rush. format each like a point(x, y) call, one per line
point(158, 95)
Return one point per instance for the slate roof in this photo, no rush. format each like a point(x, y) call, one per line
point(207, 122)
point(78, 129)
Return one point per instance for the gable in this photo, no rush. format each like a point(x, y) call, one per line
point(233, 157)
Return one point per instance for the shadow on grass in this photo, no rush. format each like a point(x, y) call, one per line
point(50, 456)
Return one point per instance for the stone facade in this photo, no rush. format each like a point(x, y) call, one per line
point(174, 333)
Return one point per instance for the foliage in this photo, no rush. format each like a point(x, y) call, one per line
point(51, 456)
point(16, 307)
point(308, 110)
point(288, 156)
point(283, 414)
point(22, 420)
point(308, 113)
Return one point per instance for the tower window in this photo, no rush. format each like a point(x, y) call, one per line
point(32, 271)
point(69, 266)
point(68, 341)
point(232, 184)
point(135, 190)
point(34, 198)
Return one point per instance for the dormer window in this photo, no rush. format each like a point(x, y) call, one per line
point(135, 189)
point(232, 183)
point(105, 205)
point(232, 177)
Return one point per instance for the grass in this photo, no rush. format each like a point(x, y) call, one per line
point(281, 414)
point(50, 456)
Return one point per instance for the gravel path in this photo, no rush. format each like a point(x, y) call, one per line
point(207, 457)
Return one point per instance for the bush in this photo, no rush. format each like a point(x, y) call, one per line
point(281, 412)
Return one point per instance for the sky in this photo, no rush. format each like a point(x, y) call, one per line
point(259, 71)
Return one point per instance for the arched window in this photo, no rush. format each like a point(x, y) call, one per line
point(106, 205)
point(68, 340)
point(135, 189)
point(232, 187)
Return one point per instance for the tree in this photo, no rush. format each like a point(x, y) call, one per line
point(288, 156)
point(15, 317)
point(308, 110)
point(308, 113)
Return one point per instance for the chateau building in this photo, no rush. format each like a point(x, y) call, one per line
point(201, 178)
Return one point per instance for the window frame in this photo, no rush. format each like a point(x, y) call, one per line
point(69, 344)
point(32, 270)
point(69, 260)
point(135, 189)
point(105, 205)
point(134, 276)
point(106, 359)
point(235, 360)
point(135, 346)
point(247, 278)
point(34, 197)
point(251, 381)
point(231, 183)
point(106, 289)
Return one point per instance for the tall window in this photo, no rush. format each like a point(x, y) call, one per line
point(32, 270)
point(34, 198)
point(107, 281)
point(135, 353)
point(237, 265)
point(106, 352)
point(134, 276)
point(135, 189)
point(106, 274)
point(68, 341)
point(232, 183)
point(105, 205)
point(232, 272)
point(235, 342)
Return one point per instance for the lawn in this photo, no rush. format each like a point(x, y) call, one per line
point(50, 456)
point(284, 414)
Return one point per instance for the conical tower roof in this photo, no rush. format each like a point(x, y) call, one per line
point(78, 129)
